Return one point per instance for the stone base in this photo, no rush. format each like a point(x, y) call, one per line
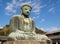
point(24, 42)
point(7, 40)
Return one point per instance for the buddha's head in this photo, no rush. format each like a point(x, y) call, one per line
point(26, 9)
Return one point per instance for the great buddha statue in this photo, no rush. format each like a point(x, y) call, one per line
point(22, 27)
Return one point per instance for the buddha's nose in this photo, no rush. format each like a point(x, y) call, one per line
point(27, 11)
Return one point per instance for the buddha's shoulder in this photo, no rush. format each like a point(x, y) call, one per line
point(16, 16)
point(31, 19)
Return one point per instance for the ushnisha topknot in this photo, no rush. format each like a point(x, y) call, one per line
point(26, 5)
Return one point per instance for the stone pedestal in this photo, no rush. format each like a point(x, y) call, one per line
point(24, 42)
point(7, 40)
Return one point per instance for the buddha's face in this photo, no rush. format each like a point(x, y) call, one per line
point(26, 10)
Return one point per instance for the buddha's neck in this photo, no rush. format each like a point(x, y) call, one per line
point(25, 16)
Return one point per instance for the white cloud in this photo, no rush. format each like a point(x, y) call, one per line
point(50, 29)
point(51, 10)
point(1, 27)
point(42, 6)
point(14, 1)
point(34, 17)
point(15, 4)
point(37, 16)
point(42, 20)
point(36, 8)
point(42, 29)
point(9, 7)
point(24, 3)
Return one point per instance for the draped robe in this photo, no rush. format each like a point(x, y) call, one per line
point(22, 27)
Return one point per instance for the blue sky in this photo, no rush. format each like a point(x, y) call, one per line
point(45, 13)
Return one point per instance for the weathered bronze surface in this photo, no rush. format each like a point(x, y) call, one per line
point(22, 27)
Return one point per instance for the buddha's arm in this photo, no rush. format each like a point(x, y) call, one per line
point(13, 24)
point(33, 26)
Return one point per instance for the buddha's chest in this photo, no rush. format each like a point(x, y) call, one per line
point(27, 25)
point(27, 22)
